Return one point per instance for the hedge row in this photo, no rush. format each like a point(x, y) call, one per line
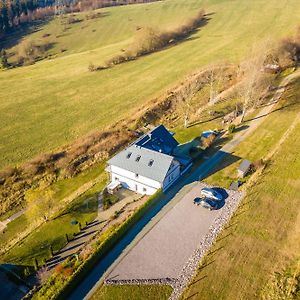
point(102, 249)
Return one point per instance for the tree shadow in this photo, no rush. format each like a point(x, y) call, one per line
point(84, 235)
point(224, 237)
point(190, 297)
point(195, 281)
point(226, 159)
point(12, 39)
point(211, 253)
point(206, 121)
point(241, 128)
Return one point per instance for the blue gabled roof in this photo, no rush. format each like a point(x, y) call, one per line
point(158, 139)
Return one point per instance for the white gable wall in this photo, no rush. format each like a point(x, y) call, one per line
point(129, 180)
point(172, 175)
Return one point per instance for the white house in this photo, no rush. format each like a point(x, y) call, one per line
point(148, 164)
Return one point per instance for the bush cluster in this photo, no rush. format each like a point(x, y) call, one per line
point(108, 199)
point(148, 40)
point(288, 53)
point(48, 168)
point(29, 52)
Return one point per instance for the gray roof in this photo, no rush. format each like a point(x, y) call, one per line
point(151, 164)
point(245, 165)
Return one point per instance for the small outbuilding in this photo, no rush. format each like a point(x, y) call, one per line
point(244, 168)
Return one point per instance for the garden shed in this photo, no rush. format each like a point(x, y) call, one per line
point(244, 168)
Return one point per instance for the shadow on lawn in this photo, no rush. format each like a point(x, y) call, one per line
point(15, 282)
point(226, 160)
point(16, 36)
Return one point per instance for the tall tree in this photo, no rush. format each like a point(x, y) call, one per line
point(3, 59)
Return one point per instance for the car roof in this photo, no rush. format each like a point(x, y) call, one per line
point(207, 189)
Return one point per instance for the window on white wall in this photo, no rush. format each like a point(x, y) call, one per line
point(144, 189)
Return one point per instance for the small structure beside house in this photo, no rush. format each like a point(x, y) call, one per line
point(148, 164)
point(234, 186)
point(244, 168)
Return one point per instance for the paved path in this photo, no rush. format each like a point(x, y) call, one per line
point(104, 267)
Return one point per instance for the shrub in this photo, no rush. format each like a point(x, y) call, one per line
point(93, 15)
point(72, 20)
point(231, 128)
point(28, 51)
point(258, 164)
point(58, 269)
point(92, 67)
point(3, 59)
point(209, 141)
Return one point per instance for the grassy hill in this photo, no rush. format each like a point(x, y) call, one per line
point(49, 104)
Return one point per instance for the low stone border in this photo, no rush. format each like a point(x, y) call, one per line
point(161, 281)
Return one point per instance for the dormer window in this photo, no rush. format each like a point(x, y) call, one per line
point(138, 158)
point(150, 162)
point(129, 154)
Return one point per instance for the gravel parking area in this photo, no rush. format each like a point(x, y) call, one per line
point(170, 252)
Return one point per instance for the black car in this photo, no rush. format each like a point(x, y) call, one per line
point(209, 204)
point(198, 200)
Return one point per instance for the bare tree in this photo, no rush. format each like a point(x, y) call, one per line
point(254, 79)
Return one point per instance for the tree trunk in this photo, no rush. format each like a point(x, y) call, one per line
point(243, 115)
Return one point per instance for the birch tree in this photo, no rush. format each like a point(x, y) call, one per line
point(254, 81)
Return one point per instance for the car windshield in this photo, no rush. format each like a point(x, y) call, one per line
point(210, 202)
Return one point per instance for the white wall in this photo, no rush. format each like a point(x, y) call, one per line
point(140, 184)
point(172, 175)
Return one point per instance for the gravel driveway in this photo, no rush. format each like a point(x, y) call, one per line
point(166, 254)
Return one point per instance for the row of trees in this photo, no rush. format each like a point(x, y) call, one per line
point(148, 40)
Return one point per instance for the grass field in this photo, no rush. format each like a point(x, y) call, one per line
point(83, 209)
point(263, 237)
point(129, 292)
point(49, 104)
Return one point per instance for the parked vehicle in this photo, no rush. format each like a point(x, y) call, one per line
point(211, 193)
point(198, 200)
point(209, 204)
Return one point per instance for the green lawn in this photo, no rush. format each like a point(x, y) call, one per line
point(263, 236)
point(260, 143)
point(83, 209)
point(129, 292)
point(51, 103)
